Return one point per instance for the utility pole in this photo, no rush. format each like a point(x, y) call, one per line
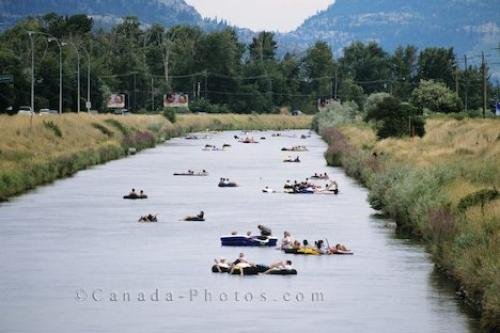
point(498, 89)
point(336, 85)
point(30, 33)
point(456, 78)
point(88, 103)
point(466, 77)
point(485, 90)
point(152, 93)
point(206, 83)
point(77, 77)
point(135, 92)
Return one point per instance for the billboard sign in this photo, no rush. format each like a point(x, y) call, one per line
point(176, 100)
point(116, 101)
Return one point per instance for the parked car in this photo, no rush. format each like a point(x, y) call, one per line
point(46, 112)
point(123, 112)
point(25, 111)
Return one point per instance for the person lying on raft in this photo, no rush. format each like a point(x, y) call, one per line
point(337, 248)
point(280, 265)
point(240, 264)
point(199, 217)
point(265, 232)
point(221, 263)
point(149, 218)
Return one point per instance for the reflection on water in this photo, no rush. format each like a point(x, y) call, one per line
point(63, 245)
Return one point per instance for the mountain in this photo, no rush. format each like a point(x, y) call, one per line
point(466, 25)
point(165, 12)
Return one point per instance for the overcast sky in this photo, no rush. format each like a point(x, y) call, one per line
point(275, 15)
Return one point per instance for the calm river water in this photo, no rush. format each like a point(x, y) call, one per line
point(67, 249)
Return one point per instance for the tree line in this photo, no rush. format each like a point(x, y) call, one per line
point(217, 71)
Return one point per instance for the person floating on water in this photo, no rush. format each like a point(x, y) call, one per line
point(280, 265)
point(264, 231)
point(239, 264)
point(221, 263)
point(149, 218)
point(287, 241)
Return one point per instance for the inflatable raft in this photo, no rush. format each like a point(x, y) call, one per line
point(249, 270)
point(194, 219)
point(135, 197)
point(282, 271)
point(191, 174)
point(230, 184)
point(305, 251)
point(248, 241)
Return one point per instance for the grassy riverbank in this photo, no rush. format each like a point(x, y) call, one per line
point(442, 188)
point(58, 146)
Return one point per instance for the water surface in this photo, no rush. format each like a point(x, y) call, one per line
point(63, 242)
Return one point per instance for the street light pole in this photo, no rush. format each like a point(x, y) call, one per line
point(60, 45)
point(88, 104)
point(30, 33)
point(78, 77)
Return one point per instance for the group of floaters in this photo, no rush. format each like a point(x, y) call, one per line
point(133, 195)
point(295, 148)
point(149, 218)
point(289, 245)
point(307, 187)
point(241, 266)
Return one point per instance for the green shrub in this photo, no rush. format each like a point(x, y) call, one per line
point(393, 118)
point(54, 128)
point(199, 105)
point(480, 197)
point(436, 97)
point(103, 129)
point(170, 114)
point(119, 126)
point(337, 114)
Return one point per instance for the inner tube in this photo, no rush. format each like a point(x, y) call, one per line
point(194, 219)
point(283, 271)
point(135, 197)
point(340, 252)
point(252, 270)
point(228, 185)
point(220, 269)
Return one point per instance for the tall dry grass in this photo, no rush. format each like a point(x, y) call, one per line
point(420, 182)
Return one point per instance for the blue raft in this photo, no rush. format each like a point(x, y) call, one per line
point(248, 241)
